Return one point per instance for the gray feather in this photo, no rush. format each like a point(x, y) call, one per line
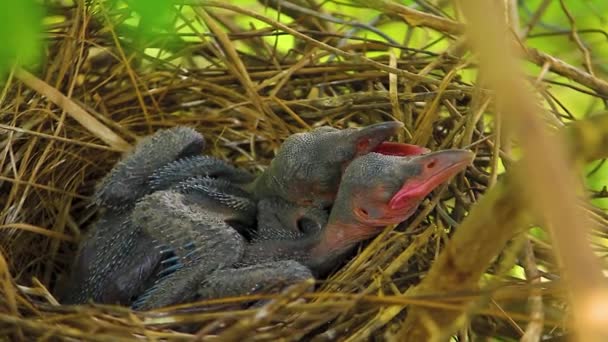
point(129, 179)
point(197, 166)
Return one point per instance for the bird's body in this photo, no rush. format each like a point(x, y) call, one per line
point(185, 226)
point(117, 260)
point(376, 190)
point(111, 245)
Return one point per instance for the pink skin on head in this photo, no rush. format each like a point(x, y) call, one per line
point(419, 187)
point(398, 149)
point(435, 169)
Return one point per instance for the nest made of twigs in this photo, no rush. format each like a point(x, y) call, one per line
point(99, 90)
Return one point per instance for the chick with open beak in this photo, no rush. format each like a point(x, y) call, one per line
point(308, 167)
point(378, 190)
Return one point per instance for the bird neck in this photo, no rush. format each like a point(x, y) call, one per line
point(263, 186)
point(321, 251)
point(333, 243)
point(340, 237)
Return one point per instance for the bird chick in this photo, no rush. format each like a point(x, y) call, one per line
point(376, 190)
point(308, 167)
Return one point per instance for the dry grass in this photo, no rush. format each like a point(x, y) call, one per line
point(97, 93)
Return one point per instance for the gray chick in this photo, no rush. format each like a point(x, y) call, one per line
point(376, 190)
point(116, 260)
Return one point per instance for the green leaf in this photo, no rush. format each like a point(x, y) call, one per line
point(155, 14)
point(20, 33)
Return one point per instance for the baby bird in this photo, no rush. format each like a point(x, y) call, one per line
point(116, 260)
point(376, 190)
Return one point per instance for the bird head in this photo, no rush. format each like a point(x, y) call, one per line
point(380, 189)
point(308, 167)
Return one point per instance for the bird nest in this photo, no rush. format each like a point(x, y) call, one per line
point(246, 78)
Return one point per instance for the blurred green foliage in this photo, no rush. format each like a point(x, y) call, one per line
point(552, 35)
point(154, 15)
point(20, 33)
point(21, 27)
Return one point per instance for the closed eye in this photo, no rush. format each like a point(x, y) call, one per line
point(362, 145)
point(362, 212)
point(307, 226)
point(306, 202)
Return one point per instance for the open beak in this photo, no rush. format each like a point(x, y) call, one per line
point(373, 139)
point(359, 211)
point(399, 149)
point(370, 137)
point(434, 169)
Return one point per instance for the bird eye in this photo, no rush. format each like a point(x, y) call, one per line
point(307, 226)
point(362, 212)
point(363, 145)
point(306, 202)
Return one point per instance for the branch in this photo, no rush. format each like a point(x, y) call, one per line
point(74, 110)
point(414, 17)
point(418, 18)
point(542, 180)
point(564, 69)
point(492, 222)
